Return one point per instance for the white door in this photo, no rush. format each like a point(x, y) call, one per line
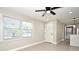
point(49, 32)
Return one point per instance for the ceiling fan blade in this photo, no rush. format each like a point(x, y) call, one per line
point(44, 14)
point(52, 12)
point(39, 10)
point(55, 8)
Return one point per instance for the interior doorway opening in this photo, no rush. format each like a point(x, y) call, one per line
point(68, 32)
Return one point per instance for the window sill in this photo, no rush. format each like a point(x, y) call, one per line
point(12, 39)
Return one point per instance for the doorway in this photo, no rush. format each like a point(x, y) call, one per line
point(68, 32)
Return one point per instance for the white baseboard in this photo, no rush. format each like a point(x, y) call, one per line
point(57, 42)
point(19, 48)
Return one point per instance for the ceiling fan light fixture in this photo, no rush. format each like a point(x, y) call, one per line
point(48, 11)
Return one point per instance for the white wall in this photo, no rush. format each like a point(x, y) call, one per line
point(1, 27)
point(60, 31)
point(37, 32)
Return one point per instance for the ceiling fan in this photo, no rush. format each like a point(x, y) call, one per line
point(48, 9)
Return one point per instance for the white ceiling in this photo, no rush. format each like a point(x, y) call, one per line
point(62, 14)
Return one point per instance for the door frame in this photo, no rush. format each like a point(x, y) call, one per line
point(65, 33)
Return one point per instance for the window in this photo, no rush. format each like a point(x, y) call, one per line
point(26, 29)
point(11, 27)
point(15, 28)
